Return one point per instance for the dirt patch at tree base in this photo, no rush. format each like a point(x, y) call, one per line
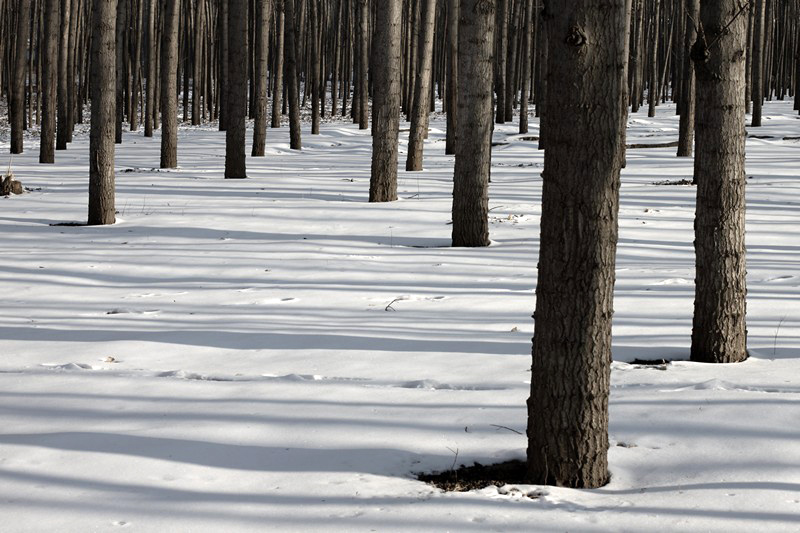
point(477, 476)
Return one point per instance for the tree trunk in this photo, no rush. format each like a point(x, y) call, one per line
point(527, 32)
point(62, 101)
point(235, 166)
point(291, 76)
point(101, 134)
point(262, 43)
point(387, 52)
point(652, 84)
point(50, 79)
point(500, 59)
point(453, 8)
point(152, 50)
point(719, 334)
point(586, 114)
point(314, 65)
point(278, 89)
point(686, 125)
point(223, 64)
point(169, 85)
point(363, 64)
point(422, 89)
point(120, 25)
point(758, 63)
point(17, 99)
point(474, 148)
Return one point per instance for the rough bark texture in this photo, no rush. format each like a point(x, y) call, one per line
point(152, 50)
point(235, 166)
point(686, 125)
point(474, 150)
point(291, 76)
point(718, 330)
point(500, 59)
point(422, 90)
point(62, 98)
point(363, 65)
point(50, 81)
point(525, 76)
point(585, 114)
point(386, 106)
point(277, 90)
point(17, 100)
point(101, 133)
point(169, 86)
point(262, 42)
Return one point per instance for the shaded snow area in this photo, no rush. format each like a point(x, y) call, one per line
point(276, 354)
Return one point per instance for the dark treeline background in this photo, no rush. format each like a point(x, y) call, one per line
point(331, 51)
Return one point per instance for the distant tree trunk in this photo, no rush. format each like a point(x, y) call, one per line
point(758, 63)
point(197, 73)
point(314, 77)
point(586, 114)
point(223, 64)
point(422, 89)
point(719, 333)
point(363, 64)
point(50, 79)
point(452, 75)
point(500, 59)
point(62, 101)
point(686, 125)
point(527, 31)
point(652, 84)
point(279, 52)
point(387, 52)
point(101, 134)
point(20, 55)
point(291, 76)
point(262, 44)
point(169, 85)
point(235, 166)
point(152, 51)
point(120, 26)
point(474, 148)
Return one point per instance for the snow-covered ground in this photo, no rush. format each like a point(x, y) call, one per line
point(278, 354)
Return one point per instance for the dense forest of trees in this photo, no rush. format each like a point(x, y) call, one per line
point(163, 62)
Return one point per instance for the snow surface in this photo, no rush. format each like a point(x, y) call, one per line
point(278, 354)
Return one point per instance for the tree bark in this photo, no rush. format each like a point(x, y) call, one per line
point(291, 76)
point(363, 64)
point(758, 63)
point(277, 91)
point(474, 148)
point(686, 124)
point(152, 50)
point(586, 114)
point(387, 52)
point(103, 94)
point(422, 89)
point(719, 333)
point(17, 100)
point(50, 79)
point(453, 8)
point(169, 85)
point(235, 165)
point(62, 101)
point(527, 29)
point(500, 59)
point(262, 44)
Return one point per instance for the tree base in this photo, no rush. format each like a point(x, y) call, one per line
point(9, 186)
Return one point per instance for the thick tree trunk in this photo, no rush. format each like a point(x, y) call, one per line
point(719, 333)
point(262, 43)
point(586, 112)
point(50, 79)
point(17, 99)
point(422, 89)
point(291, 76)
point(474, 148)
point(686, 124)
point(387, 52)
point(103, 94)
point(169, 85)
point(235, 166)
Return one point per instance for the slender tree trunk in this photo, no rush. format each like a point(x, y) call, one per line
point(121, 23)
point(719, 333)
point(50, 79)
point(62, 101)
point(758, 63)
point(363, 64)
point(474, 148)
point(686, 125)
point(586, 114)
point(279, 52)
point(652, 85)
point(387, 52)
point(527, 31)
point(453, 7)
point(262, 43)
point(422, 89)
point(169, 85)
point(291, 76)
point(223, 64)
point(235, 166)
point(101, 134)
point(500, 59)
point(17, 102)
point(152, 50)
point(314, 77)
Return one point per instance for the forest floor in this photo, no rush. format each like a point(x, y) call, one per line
point(278, 354)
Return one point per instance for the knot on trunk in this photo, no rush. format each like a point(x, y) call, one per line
point(575, 37)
